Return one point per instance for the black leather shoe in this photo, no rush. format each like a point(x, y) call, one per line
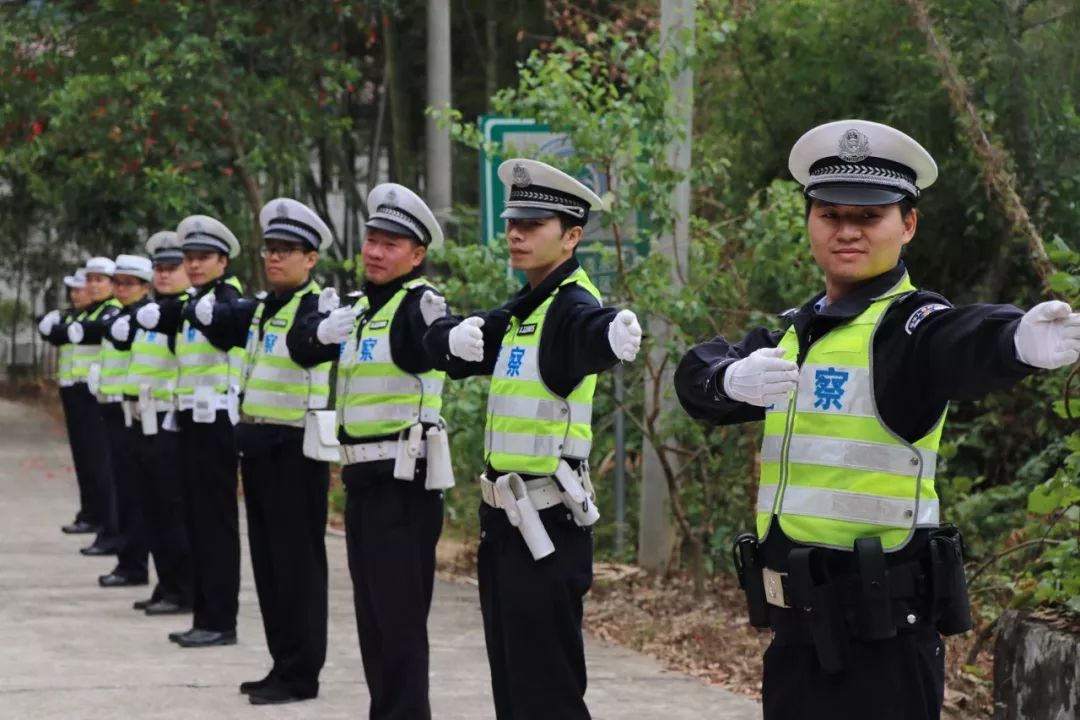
point(206, 638)
point(278, 694)
point(79, 528)
point(97, 550)
point(175, 636)
point(143, 604)
point(250, 686)
point(117, 580)
point(167, 607)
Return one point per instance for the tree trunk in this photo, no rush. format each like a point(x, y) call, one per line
point(402, 165)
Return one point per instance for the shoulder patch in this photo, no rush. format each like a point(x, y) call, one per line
point(921, 314)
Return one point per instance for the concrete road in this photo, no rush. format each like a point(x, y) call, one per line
point(72, 650)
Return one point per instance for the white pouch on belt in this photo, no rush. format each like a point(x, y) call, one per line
point(320, 436)
point(575, 495)
point(407, 451)
point(126, 407)
point(168, 423)
point(204, 410)
point(93, 378)
point(147, 411)
point(440, 473)
point(232, 404)
point(514, 499)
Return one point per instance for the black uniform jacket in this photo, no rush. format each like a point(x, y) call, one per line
point(925, 354)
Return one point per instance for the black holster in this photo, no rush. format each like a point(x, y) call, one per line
point(874, 613)
point(748, 567)
point(950, 609)
point(816, 598)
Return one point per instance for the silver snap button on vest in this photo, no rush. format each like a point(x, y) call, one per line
point(914, 461)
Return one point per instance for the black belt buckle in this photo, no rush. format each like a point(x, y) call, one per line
point(749, 568)
point(873, 614)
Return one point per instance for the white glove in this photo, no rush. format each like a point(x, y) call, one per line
point(762, 378)
point(121, 328)
point(624, 335)
point(329, 300)
point(204, 309)
point(49, 322)
point(75, 332)
point(1048, 336)
point(432, 307)
point(148, 315)
point(467, 340)
point(337, 328)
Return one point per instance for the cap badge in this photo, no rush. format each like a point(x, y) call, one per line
point(391, 199)
point(197, 225)
point(282, 210)
point(854, 146)
point(521, 176)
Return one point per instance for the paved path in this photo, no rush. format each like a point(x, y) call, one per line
point(71, 650)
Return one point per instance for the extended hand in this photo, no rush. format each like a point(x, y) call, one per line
point(204, 309)
point(121, 328)
point(49, 322)
point(75, 332)
point(763, 378)
point(467, 340)
point(624, 335)
point(1048, 336)
point(148, 316)
point(432, 307)
point(337, 328)
point(329, 300)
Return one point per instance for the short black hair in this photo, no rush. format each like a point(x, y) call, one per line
point(906, 205)
point(567, 222)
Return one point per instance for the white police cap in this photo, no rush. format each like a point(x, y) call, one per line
point(288, 219)
point(135, 266)
point(857, 162)
point(164, 247)
point(100, 265)
point(538, 190)
point(78, 280)
point(398, 210)
point(202, 232)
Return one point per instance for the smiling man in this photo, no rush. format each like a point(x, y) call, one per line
point(389, 399)
point(542, 350)
point(850, 566)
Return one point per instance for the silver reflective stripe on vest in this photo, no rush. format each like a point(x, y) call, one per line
point(188, 360)
point(392, 385)
point(277, 399)
point(154, 361)
point(290, 376)
point(849, 506)
point(855, 454)
point(538, 445)
point(818, 394)
point(535, 408)
point(375, 413)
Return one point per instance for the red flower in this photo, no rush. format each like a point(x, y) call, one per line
point(227, 171)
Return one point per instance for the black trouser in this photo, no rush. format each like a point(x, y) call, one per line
point(532, 616)
point(131, 550)
point(285, 495)
point(391, 529)
point(208, 462)
point(902, 678)
point(157, 467)
point(82, 477)
point(90, 454)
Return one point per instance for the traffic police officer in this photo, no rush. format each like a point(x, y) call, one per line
point(285, 492)
point(543, 350)
point(388, 401)
point(149, 389)
point(131, 284)
point(86, 333)
point(85, 519)
point(849, 566)
point(207, 394)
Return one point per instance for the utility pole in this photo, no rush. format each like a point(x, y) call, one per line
point(656, 532)
point(437, 176)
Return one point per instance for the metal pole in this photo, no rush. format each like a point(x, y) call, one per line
point(620, 463)
point(437, 176)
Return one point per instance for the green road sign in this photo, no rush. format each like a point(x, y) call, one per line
point(526, 138)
